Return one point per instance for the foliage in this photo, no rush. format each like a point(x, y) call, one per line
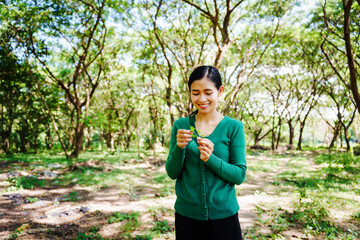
point(161, 227)
point(356, 150)
point(26, 182)
point(344, 160)
point(93, 235)
point(132, 220)
point(73, 196)
point(15, 234)
point(118, 217)
point(108, 73)
point(32, 199)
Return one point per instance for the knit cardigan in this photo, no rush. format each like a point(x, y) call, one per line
point(206, 190)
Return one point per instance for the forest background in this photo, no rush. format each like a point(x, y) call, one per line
point(91, 74)
point(80, 78)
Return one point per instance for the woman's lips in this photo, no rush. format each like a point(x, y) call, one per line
point(204, 106)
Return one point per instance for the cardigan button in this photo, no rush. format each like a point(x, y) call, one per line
point(205, 207)
point(203, 195)
point(202, 182)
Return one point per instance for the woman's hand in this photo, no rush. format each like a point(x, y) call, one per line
point(183, 137)
point(206, 148)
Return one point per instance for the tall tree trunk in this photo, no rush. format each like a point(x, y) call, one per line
point(79, 135)
point(279, 133)
point(347, 140)
point(349, 52)
point(23, 141)
point(346, 128)
point(89, 138)
point(6, 142)
point(301, 131)
point(256, 138)
point(336, 133)
point(291, 133)
point(49, 142)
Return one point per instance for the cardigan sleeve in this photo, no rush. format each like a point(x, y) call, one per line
point(233, 171)
point(175, 159)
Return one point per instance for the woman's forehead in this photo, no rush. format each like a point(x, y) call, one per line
point(203, 84)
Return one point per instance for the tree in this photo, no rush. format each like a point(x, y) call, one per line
point(74, 56)
point(343, 107)
point(340, 24)
point(13, 82)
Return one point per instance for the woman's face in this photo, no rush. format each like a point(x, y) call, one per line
point(204, 95)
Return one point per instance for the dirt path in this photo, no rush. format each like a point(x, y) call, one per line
point(52, 219)
point(257, 188)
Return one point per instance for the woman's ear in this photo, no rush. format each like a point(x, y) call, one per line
point(221, 90)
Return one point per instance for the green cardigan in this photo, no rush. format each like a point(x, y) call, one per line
point(207, 190)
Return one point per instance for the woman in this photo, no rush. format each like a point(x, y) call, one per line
point(207, 158)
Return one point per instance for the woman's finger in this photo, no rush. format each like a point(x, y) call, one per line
point(206, 142)
point(205, 149)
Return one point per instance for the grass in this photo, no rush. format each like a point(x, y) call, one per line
point(317, 191)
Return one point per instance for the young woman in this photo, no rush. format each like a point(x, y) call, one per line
point(207, 157)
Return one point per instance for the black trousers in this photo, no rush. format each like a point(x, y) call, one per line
point(222, 229)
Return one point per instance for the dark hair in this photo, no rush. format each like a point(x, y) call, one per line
point(205, 71)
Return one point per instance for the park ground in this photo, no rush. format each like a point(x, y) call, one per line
point(103, 195)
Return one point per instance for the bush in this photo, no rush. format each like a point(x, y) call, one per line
point(356, 150)
point(27, 182)
point(161, 227)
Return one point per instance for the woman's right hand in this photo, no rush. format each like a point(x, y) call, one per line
point(183, 137)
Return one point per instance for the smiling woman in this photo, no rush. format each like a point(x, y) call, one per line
point(206, 169)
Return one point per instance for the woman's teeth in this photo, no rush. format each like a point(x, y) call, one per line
point(203, 106)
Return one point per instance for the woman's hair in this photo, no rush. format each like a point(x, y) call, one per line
point(206, 71)
point(209, 72)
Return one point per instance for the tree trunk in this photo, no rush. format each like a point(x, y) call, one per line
point(273, 139)
point(349, 52)
point(221, 53)
point(273, 134)
point(347, 140)
point(49, 142)
point(291, 133)
point(256, 138)
point(6, 142)
point(341, 139)
point(89, 138)
point(336, 133)
point(279, 133)
point(302, 126)
point(23, 141)
point(79, 135)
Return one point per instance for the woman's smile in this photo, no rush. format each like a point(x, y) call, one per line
point(204, 106)
point(205, 95)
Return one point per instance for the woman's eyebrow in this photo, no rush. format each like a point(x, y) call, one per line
point(199, 90)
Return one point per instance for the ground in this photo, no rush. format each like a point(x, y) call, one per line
point(80, 200)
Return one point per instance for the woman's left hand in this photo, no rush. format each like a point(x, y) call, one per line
point(206, 148)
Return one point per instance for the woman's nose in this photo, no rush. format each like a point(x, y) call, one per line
point(202, 97)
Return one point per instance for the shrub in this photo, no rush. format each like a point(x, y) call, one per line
point(161, 227)
point(27, 182)
point(356, 150)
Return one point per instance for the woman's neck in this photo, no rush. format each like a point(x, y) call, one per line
point(207, 117)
